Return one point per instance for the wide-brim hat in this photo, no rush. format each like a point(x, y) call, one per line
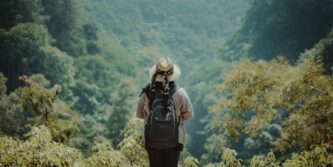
point(165, 64)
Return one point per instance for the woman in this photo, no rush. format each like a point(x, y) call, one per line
point(162, 85)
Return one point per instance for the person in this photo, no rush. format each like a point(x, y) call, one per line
point(163, 76)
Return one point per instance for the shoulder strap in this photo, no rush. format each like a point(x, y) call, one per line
point(146, 90)
point(149, 93)
point(173, 90)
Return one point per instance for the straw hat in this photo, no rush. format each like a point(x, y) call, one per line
point(165, 65)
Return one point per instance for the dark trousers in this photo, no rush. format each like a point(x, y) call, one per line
point(163, 157)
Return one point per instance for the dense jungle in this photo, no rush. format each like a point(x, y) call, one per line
point(258, 73)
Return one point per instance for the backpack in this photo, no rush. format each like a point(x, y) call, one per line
point(161, 129)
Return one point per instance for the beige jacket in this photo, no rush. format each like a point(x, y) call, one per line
point(183, 107)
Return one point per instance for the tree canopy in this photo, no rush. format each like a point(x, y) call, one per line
point(258, 73)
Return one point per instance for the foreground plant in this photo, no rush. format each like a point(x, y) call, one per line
point(47, 109)
point(299, 96)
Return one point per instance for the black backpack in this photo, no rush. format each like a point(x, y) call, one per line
point(161, 129)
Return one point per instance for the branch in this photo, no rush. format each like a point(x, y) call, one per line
point(321, 91)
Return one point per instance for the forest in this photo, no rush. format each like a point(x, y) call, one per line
point(258, 73)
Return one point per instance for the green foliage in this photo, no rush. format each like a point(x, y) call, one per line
point(26, 44)
point(264, 89)
point(7, 143)
point(123, 105)
point(318, 156)
point(34, 105)
point(37, 150)
point(20, 11)
point(229, 159)
point(105, 98)
point(57, 66)
point(14, 120)
point(214, 147)
point(3, 87)
point(132, 146)
point(264, 161)
point(323, 49)
point(182, 29)
point(47, 110)
point(95, 87)
point(65, 25)
point(202, 81)
point(104, 155)
point(89, 64)
point(264, 141)
point(272, 28)
point(90, 32)
point(260, 101)
point(190, 162)
point(48, 46)
point(91, 129)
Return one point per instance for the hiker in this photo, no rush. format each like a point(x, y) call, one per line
point(164, 107)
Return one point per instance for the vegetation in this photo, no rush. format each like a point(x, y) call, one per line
point(258, 74)
point(39, 150)
point(273, 28)
point(259, 92)
point(36, 39)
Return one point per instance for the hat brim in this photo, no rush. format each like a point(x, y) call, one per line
point(173, 77)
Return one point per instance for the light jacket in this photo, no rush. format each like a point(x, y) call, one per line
point(183, 107)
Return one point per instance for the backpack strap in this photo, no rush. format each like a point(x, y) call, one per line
point(173, 90)
point(149, 93)
point(146, 90)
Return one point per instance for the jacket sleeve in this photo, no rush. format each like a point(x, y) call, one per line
point(140, 113)
point(186, 107)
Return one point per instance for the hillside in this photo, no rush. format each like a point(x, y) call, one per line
point(258, 73)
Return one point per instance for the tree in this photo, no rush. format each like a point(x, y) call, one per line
point(26, 50)
point(132, 146)
point(257, 93)
point(273, 28)
point(13, 12)
point(65, 25)
point(323, 49)
point(123, 103)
